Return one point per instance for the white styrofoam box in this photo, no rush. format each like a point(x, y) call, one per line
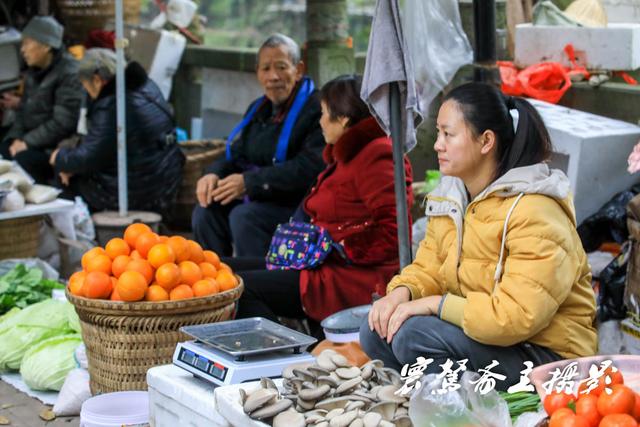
point(630, 336)
point(177, 398)
point(616, 47)
point(592, 150)
point(622, 10)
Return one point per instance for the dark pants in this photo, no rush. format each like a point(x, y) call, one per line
point(35, 162)
point(267, 293)
point(249, 226)
point(431, 337)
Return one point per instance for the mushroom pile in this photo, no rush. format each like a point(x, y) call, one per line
point(331, 393)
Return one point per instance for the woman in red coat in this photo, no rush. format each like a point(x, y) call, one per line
point(354, 200)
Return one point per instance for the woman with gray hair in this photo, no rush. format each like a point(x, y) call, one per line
point(154, 160)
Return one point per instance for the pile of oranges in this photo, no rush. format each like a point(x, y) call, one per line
point(145, 266)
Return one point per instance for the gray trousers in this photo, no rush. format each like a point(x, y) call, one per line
point(431, 337)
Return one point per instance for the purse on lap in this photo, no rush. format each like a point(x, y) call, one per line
point(298, 245)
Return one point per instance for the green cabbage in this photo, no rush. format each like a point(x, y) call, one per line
point(46, 364)
point(29, 326)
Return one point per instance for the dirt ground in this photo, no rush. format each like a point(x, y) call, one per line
point(23, 411)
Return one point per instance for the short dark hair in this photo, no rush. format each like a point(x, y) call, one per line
point(485, 107)
point(342, 97)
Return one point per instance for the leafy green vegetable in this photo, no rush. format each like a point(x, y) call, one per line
point(30, 325)
point(46, 364)
point(520, 402)
point(24, 286)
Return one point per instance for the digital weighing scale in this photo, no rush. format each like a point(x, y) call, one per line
point(242, 350)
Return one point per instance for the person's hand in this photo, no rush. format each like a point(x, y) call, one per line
point(205, 187)
point(65, 178)
point(382, 309)
point(9, 101)
point(634, 159)
point(54, 155)
point(427, 306)
point(17, 146)
point(229, 189)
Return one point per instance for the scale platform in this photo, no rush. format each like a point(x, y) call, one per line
point(242, 350)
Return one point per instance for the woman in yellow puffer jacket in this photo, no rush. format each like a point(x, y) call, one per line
point(501, 274)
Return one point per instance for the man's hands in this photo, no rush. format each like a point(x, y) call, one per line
point(17, 146)
point(211, 188)
point(205, 187)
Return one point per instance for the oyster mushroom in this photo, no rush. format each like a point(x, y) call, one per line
point(402, 421)
point(329, 380)
point(325, 362)
point(314, 393)
point(258, 399)
point(340, 360)
point(386, 409)
point(387, 394)
point(306, 404)
point(348, 373)
point(243, 396)
point(334, 413)
point(333, 403)
point(354, 404)
point(268, 383)
point(371, 419)
point(349, 384)
point(356, 423)
point(289, 418)
point(272, 409)
point(343, 420)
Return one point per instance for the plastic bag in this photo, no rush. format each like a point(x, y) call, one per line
point(463, 407)
point(609, 223)
point(46, 364)
point(547, 81)
point(73, 393)
point(547, 13)
point(437, 43)
point(612, 287)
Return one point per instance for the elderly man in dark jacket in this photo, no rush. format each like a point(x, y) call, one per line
point(154, 160)
point(273, 156)
point(50, 106)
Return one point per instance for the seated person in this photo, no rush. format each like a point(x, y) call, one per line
point(501, 274)
point(272, 158)
point(50, 105)
point(154, 160)
point(354, 200)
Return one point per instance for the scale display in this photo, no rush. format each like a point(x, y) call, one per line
point(202, 364)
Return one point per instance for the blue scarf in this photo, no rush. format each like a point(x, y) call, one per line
point(306, 88)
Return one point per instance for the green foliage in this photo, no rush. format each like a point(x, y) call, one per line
point(23, 286)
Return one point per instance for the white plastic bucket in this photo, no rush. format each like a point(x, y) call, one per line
point(124, 408)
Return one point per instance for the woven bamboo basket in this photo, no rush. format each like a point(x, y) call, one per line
point(199, 155)
point(19, 237)
point(82, 16)
point(124, 340)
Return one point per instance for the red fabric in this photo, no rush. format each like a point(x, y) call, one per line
point(354, 200)
point(101, 38)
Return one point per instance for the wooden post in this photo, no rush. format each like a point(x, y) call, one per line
point(329, 48)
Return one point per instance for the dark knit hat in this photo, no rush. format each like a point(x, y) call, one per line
point(46, 30)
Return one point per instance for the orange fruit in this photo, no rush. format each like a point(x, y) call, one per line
point(76, 281)
point(97, 285)
point(116, 247)
point(180, 248)
point(204, 287)
point(189, 272)
point(133, 231)
point(99, 263)
point(224, 266)
point(114, 295)
point(197, 254)
point(156, 293)
point(161, 254)
point(163, 239)
point(168, 276)
point(212, 258)
point(181, 292)
point(131, 286)
point(143, 267)
point(226, 280)
point(90, 254)
point(135, 255)
point(119, 265)
point(145, 242)
point(208, 270)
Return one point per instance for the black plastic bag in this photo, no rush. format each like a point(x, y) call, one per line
point(612, 286)
point(609, 224)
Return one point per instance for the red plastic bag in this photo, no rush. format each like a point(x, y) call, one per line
point(547, 81)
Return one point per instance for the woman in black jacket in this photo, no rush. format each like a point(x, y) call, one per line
point(154, 160)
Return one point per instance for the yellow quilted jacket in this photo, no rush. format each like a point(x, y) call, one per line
point(510, 263)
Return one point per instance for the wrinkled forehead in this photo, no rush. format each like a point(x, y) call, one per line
point(273, 55)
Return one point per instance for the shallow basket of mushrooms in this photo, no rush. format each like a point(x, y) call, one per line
point(330, 393)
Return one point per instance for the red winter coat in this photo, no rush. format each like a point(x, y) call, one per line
point(354, 200)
